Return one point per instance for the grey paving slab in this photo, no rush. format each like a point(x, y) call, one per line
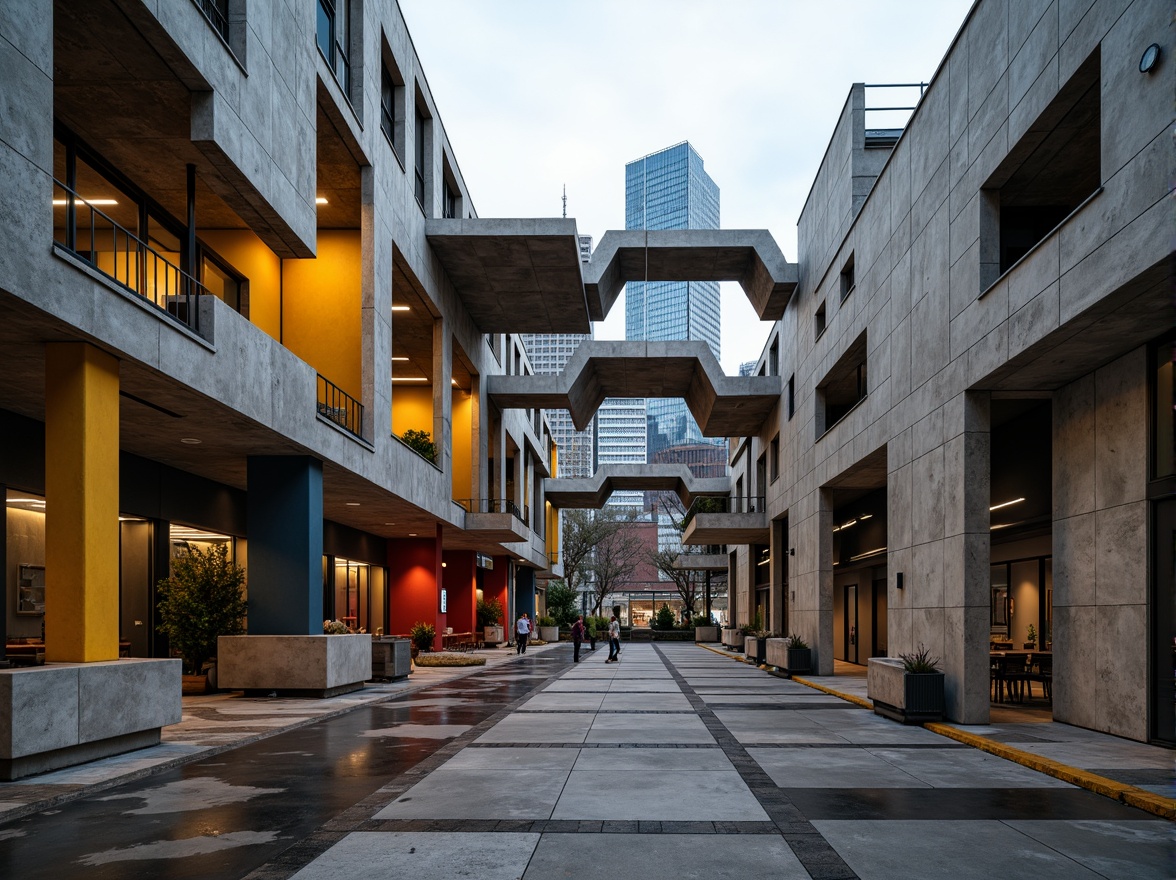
point(1110, 755)
point(831, 768)
point(369, 855)
point(508, 758)
point(644, 686)
point(666, 760)
point(966, 768)
point(1116, 850)
point(657, 796)
point(479, 794)
point(967, 850)
point(592, 685)
point(562, 728)
point(663, 857)
point(622, 728)
point(614, 702)
point(712, 698)
point(561, 700)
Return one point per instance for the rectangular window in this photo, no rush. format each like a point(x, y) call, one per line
point(392, 105)
point(418, 161)
point(843, 387)
point(791, 396)
point(775, 460)
point(333, 36)
point(774, 358)
point(217, 13)
point(819, 320)
point(847, 279)
point(448, 201)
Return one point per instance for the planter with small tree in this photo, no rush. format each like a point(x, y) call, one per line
point(791, 654)
point(547, 629)
point(202, 600)
point(424, 636)
point(490, 622)
point(420, 442)
point(907, 688)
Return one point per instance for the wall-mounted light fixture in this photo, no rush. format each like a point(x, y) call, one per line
point(898, 579)
point(1150, 58)
point(791, 551)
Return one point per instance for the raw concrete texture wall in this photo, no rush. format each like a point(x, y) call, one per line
point(1100, 528)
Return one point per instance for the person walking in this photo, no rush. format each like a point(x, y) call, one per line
point(614, 640)
point(522, 633)
point(577, 638)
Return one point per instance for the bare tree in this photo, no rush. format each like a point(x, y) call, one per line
point(617, 553)
point(688, 583)
point(582, 531)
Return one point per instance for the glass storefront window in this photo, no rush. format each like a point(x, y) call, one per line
point(185, 537)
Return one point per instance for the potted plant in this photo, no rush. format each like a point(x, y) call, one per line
point(1031, 635)
point(547, 629)
point(790, 654)
point(203, 599)
point(733, 637)
point(423, 637)
point(907, 688)
point(705, 630)
point(490, 621)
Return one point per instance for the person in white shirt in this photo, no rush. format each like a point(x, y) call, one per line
point(522, 633)
point(614, 640)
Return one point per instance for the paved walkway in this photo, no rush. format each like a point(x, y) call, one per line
point(675, 763)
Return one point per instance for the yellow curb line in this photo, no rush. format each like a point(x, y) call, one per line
point(1118, 791)
point(1157, 805)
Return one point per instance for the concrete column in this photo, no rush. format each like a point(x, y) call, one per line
point(443, 395)
point(481, 432)
point(520, 477)
point(81, 495)
point(778, 547)
point(967, 581)
point(285, 521)
point(823, 583)
point(499, 492)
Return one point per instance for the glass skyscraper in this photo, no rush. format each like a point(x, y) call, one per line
point(670, 190)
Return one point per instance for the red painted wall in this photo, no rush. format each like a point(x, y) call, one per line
point(414, 576)
point(461, 589)
point(494, 583)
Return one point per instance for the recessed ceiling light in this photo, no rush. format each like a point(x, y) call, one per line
point(399, 360)
point(412, 534)
point(410, 378)
point(352, 504)
point(60, 203)
point(320, 200)
point(191, 441)
point(389, 524)
point(401, 309)
point(1006, 504)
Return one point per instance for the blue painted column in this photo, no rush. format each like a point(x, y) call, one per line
point(524, 592)
point(285, 528)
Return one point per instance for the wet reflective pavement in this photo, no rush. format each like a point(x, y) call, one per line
point(229, 814)
point(674, 763)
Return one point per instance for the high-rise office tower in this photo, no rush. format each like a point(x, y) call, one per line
point(670, 190)
point(549, 353)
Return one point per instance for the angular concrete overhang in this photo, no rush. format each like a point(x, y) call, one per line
point(514, 276)
point(497, 528)
point(701, 561)
point(748, 256)
point(727, 528)
point(592, 492)
point(723, 406)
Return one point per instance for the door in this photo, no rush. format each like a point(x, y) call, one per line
point(849, 613)
point(1163, 601)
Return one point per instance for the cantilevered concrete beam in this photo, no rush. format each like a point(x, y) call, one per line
point(749, 256)
point(701, 561)
point(592, 492)
point(525, 276)
point(514, 276)
point(723, 406)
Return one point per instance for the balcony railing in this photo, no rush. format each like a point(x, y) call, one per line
point(217, 13)
point(126, 259)
point(336, 405)
point(494, 505)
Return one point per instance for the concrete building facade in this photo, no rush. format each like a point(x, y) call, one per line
point(975, 431)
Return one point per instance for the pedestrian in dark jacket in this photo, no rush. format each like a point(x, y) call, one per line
point(577, 637)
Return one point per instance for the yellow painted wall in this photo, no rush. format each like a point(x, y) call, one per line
point(321, 299)
point(81, 494)
point(246, 253)
point(463, 441)
point(412, 408)
point(552, 540)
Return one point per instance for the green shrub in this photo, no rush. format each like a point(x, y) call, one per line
point(797, 642)
point(423, 635)
point(545, 620)
point(665, 618)
point(489, 613)
point(441, 658)
point(420, 442)
point(561, 603)
point(203, 599)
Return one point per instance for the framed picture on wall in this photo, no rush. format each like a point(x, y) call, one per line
point(1000, 609)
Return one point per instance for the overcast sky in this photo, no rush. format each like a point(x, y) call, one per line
point(536, 94)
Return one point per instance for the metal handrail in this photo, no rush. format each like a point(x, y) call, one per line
point(339, 407)
point(216, 16)
point(492, 505)
point(741, 504)
point(133, 264)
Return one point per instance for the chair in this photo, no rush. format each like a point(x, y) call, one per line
point(1015, 677)
point(1044, 674)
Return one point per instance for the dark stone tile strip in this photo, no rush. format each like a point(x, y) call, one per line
point(878, 745)
point(567, 826)
point(810, 848)
point(605, 711)
point(535, 745)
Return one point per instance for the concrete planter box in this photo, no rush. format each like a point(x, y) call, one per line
point(756, 649)
point(63, 714)
point(303, 666)
point(493, 635)
point(391, 658)
point(548, 633)
point(903, 696)
point(733, 638)
point(794, 661)
point(706, 634)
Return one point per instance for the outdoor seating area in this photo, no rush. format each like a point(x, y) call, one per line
point(1013, 674)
